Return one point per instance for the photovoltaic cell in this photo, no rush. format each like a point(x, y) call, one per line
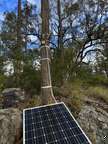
point(52, 124)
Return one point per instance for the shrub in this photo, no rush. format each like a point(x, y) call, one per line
point(2, 82)
point(30, 80)
point(95, 80)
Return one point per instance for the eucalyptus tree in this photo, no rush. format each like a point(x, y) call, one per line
point(46, 88)
point(84, 28)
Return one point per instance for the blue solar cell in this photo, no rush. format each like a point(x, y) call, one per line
point(52, 124)
point(28, 127)
point(29, 141)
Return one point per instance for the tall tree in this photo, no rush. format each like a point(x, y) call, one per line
point(18, 50)
point(60, 29)
point(47, 93)
point(60, 38)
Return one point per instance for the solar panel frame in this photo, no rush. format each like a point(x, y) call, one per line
point(49, 106)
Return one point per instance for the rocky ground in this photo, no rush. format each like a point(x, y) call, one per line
point(93, 119)
point(10, 126)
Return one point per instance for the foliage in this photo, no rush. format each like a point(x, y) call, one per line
point(30, 80)
point(98, 80)
point(2, 82)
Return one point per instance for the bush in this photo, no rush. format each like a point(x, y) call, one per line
point(2, 82)
point(98, 80)
point(31, 81)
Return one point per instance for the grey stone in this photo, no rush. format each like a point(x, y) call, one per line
point(94, 121)
point(10, 126)
point(12, 96)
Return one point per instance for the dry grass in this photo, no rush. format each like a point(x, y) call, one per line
point(76, 98)
point(100, 93)
point(74, 94)
point(32, 102)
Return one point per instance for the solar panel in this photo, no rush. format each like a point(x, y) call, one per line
point(52, 124)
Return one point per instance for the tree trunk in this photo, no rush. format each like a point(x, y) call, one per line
point(46, 89)
point(60, 41)
point(26, 26)
point(60, 29)
point(17, 60)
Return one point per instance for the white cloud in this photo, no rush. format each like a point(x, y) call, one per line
point(35, 2)
point(32, 38)
point(1, 19)
point(32, 1)
point(1, 16)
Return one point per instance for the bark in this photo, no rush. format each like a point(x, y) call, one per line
point(47, 93)
point(60, 29)
point(60, 40)
point(26, 34)
point(17, 60)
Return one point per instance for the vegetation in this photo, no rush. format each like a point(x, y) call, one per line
point(98, 93)
point(68, 38)
point(78, 36)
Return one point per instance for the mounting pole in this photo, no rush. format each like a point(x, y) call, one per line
point(46, 85)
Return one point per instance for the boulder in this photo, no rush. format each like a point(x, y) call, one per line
point(94, 121)
point(10, 126)
point(12, 96)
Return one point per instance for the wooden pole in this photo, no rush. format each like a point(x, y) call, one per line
point(46, 87)
point(17, 60)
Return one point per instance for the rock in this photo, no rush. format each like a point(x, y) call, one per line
point(94, 121)
point(12, 96)
point(10, 126)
